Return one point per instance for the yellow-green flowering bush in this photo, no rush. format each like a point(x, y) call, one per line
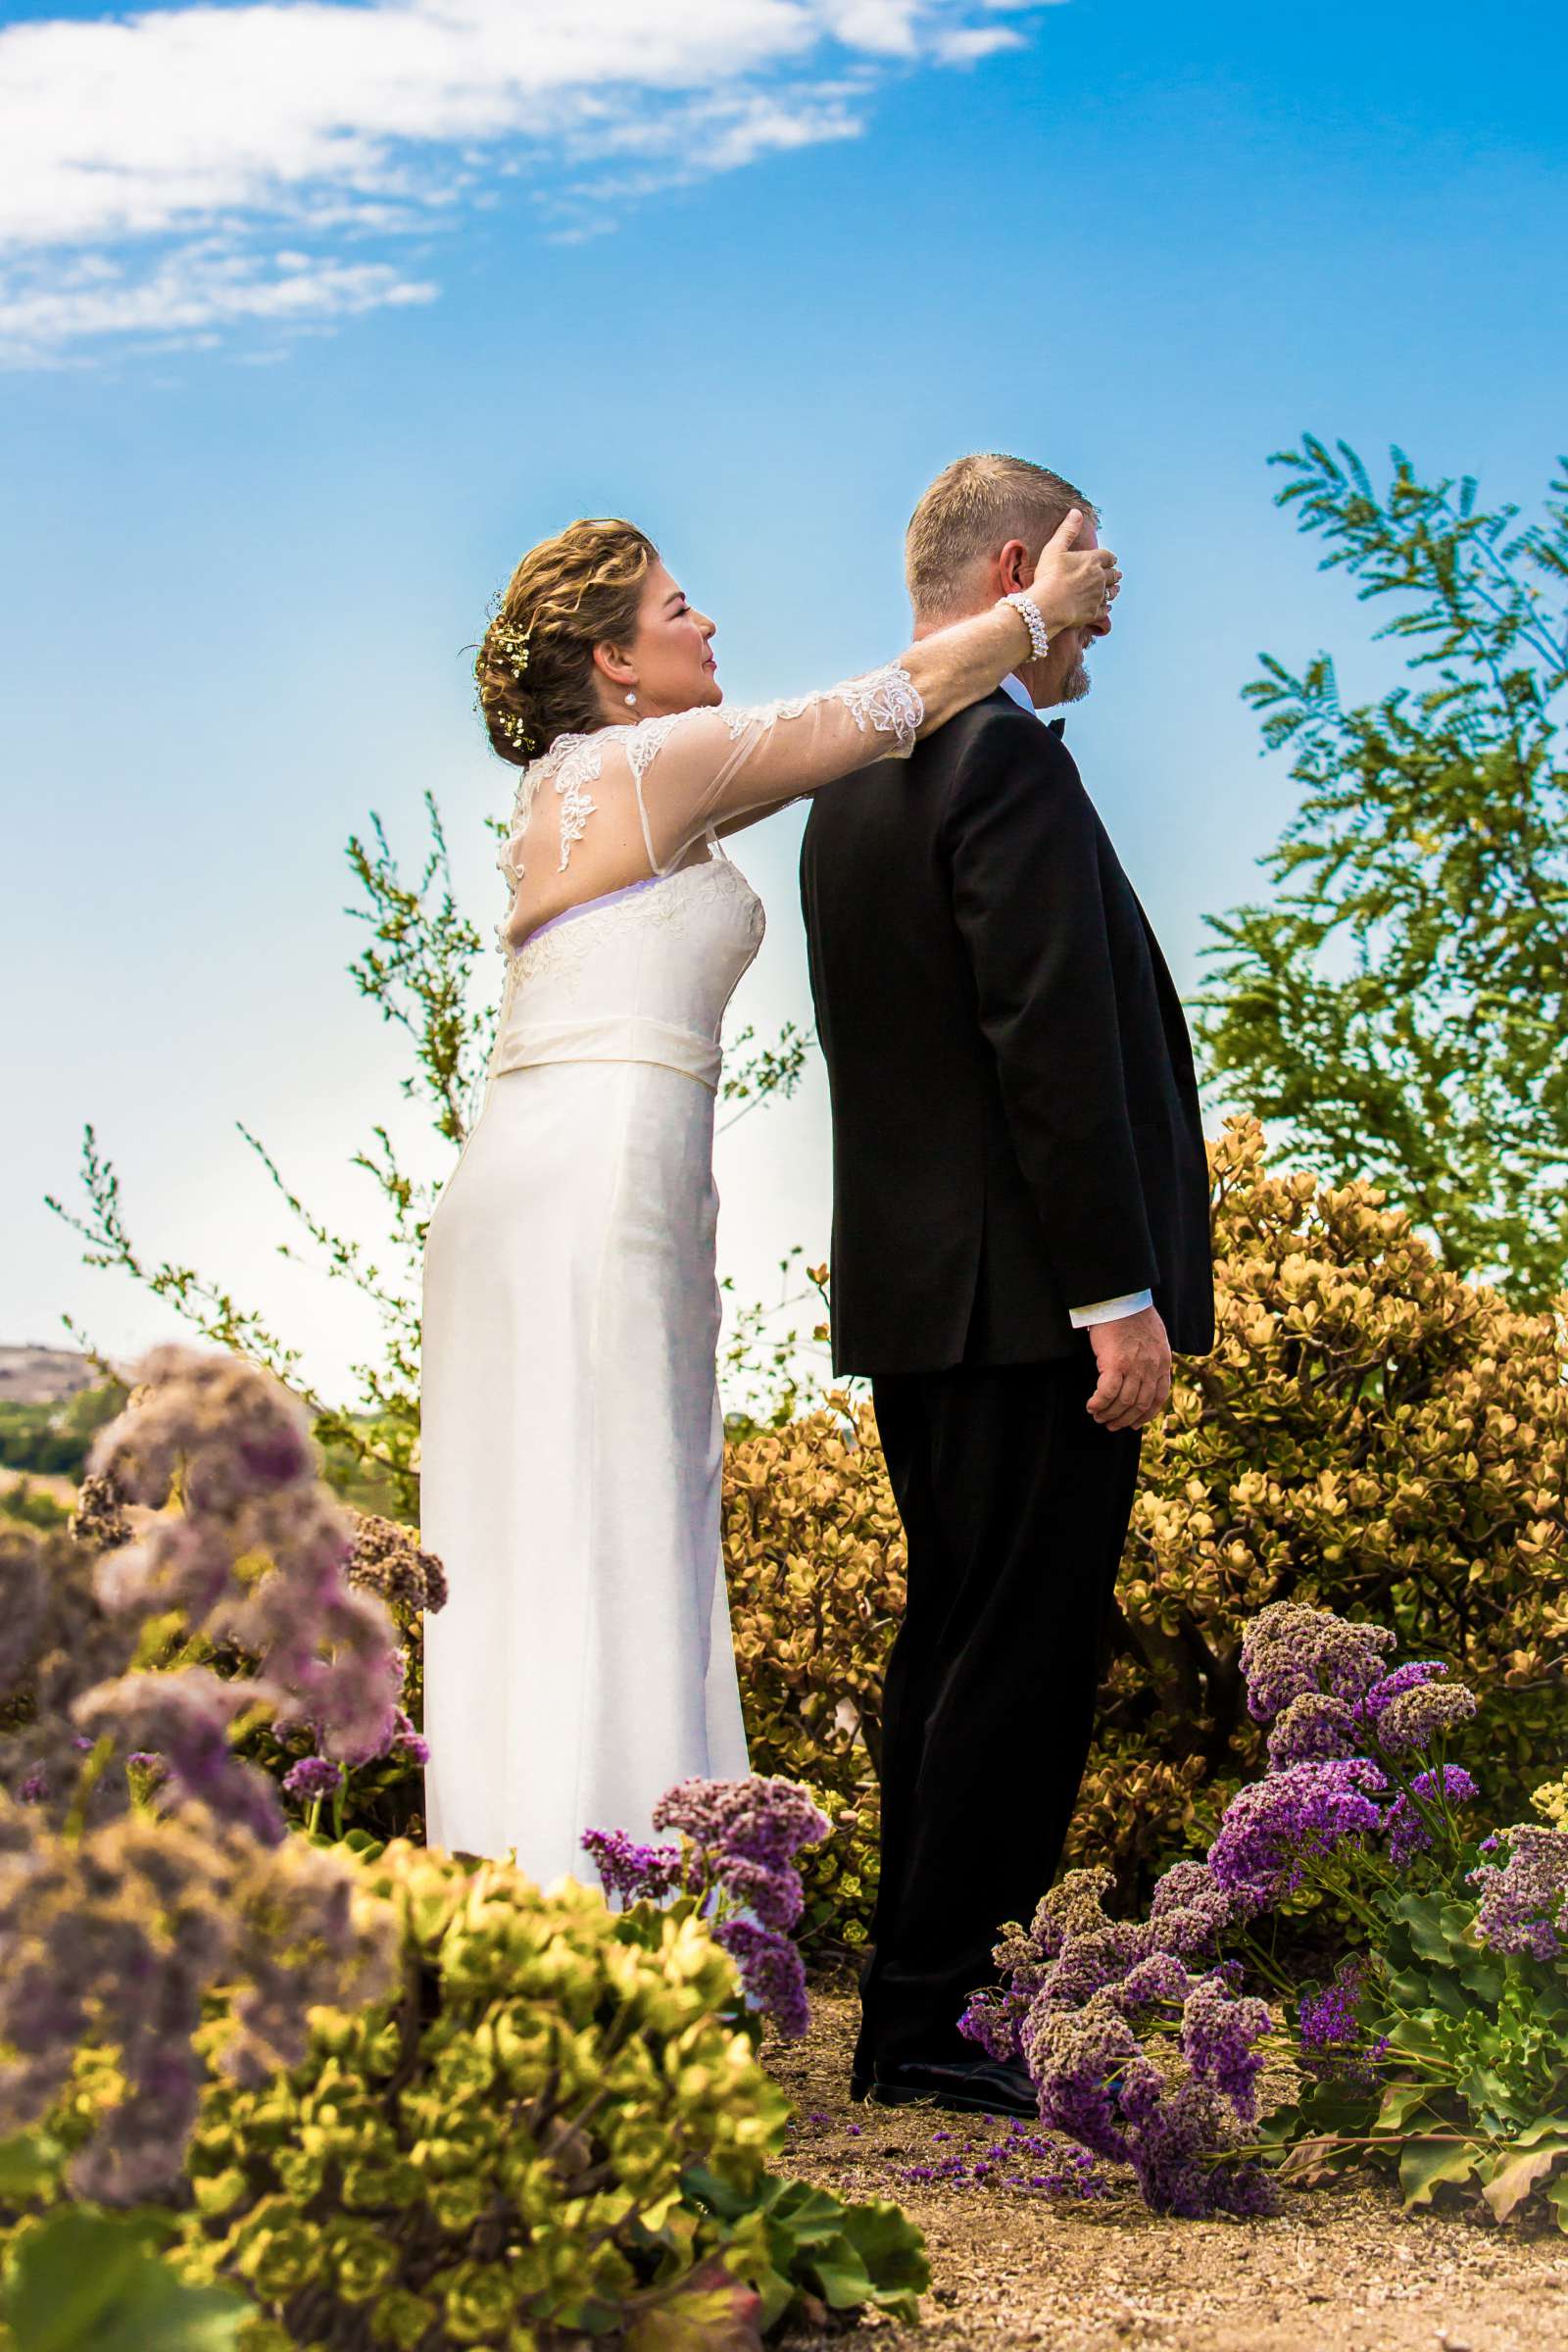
point(554, 2129)
point(1372, 1433)
point(815, 1555)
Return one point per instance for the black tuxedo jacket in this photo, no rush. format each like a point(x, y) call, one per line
point(1015, 1120)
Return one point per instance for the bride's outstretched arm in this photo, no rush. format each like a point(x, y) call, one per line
point(725, 767)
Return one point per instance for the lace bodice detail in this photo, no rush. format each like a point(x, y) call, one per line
point(643, 976)
point(655, 788)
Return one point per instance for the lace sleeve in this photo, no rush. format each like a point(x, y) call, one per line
point(699, 768)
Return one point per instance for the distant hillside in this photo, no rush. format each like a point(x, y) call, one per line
point(44, 1375)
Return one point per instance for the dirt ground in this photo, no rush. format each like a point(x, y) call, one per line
point(1342, 2268)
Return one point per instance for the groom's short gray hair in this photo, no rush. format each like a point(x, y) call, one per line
point(972, 509)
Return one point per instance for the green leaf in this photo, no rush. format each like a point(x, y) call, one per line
point(1426, 2163)
point(88, 2281)
point(1400, 2102)
point(28, 2162)
point(1557, 2199)
point(891, 2249)
point(842, 2276)
point(1516, 2175)
point(708, 2311)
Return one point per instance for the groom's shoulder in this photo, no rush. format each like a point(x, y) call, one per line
point(997, 740)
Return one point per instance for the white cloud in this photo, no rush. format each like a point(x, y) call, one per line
point(149, 158)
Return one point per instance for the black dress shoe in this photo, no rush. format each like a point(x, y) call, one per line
point(974, 2086)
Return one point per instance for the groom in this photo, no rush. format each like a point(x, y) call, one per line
point(1021, 1238)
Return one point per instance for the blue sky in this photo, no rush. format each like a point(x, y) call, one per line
point(313, 317)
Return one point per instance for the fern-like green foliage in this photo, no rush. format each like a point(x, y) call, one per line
point(1400, 997)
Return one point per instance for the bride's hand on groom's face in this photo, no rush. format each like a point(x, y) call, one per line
point(1074, 579)
point(1133, 1356)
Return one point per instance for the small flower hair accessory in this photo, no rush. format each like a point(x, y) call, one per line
point(507, 645)
point(517, 731)
point(512, 644)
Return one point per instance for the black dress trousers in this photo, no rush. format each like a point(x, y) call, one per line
point(1015, 1505)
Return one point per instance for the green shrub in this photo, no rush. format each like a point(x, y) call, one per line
point(1372, 1433)
point(814, 1555)
point(53, 1439)
point(32, 1508)
point(557, 2124)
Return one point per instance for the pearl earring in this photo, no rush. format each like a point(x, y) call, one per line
point(631, 701)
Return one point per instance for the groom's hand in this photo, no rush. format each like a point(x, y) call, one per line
point(1132, 1354)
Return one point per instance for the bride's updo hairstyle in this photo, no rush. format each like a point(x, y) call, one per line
point(535, 663)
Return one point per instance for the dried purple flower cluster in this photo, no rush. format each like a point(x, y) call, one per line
point(1135, 2039)
point(1166, 2084)
point(1137, 2035)
point(737, 1857)
point(1320, 1681)
point(1332, 2043)
point(1291, 1650)
point(1524, 1901)
point(1273, 1828)
point(635, 1873)
point(143, 1865)
point(386, 1558)
point(237, 1448)
point(314, 1777)
point(1408, 1823)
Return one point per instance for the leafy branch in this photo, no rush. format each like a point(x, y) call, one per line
point(1399, 998)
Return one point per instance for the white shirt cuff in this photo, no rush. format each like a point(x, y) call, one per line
point(1109, 1311)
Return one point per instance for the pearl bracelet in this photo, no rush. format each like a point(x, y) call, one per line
point(1024, 604)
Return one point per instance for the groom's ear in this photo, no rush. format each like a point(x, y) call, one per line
point(1015, 566)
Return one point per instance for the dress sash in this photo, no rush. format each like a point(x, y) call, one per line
point(623, 1037)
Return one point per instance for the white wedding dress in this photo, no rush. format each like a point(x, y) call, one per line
point(571, 1441)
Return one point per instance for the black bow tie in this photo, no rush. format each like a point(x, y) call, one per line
point(1056, 726)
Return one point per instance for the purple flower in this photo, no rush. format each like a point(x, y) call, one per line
point(772, 1972)
point(414, 1744)
point(1408, 1829)
point(1314, 1729)
point(1333, 2044)
point(1177, 2155)
point(636, 1873)
point(1274, 1826)
point(1073, 1907)
point(314, 1777)
point(1416, 1717)
point(991, 2016)
point(1524, 1904)
point(185, 1716)
point(1092, 1961)
point(1087, 2065)
point(1220, 2038)
point(1194, 1929)
point(1193, 1910)
point(1403, 1678)
point(774, 1895)
point(1289, 1649)
point(757, 1819)
point(1157, 1982)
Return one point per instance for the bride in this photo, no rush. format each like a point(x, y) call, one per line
point(571, 1443)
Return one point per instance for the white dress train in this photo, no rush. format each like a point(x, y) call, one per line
point(571, 1439)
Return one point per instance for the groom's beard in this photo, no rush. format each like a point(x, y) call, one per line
point(1076, 684)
